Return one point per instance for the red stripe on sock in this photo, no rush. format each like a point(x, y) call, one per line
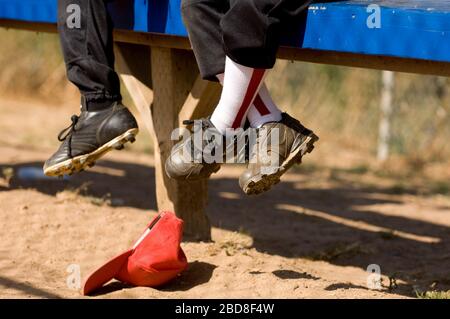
point(255, 81)
point(260, 106)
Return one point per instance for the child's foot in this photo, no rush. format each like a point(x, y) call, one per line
point(186, 158)
point(89, 137)
point(294, 142)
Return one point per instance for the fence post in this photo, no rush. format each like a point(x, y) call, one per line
point(384, 133)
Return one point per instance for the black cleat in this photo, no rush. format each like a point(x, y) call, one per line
point(89, 137)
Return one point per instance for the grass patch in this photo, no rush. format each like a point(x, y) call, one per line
point(306, 168)
point(398, 189)
point(433, 295)
point(7, 173)
point(358, 170)
point(440, 187)
point(346, 250)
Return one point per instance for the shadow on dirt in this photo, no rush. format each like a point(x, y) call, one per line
point(198, 273)
point(342, 225)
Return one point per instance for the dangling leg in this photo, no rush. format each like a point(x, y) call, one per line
point(263, 109)
point(249, 30)
point(240, 87)
point(85, 30)
point(251, 33)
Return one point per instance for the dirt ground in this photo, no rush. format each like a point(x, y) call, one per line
point(313, 236)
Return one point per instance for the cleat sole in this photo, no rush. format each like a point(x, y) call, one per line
point(262, 183)
point(83, 162)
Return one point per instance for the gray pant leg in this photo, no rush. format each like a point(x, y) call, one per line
point(247, 31)
point(251, 29)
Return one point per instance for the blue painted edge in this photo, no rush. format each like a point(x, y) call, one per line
point(418, 34)
point(407, 32)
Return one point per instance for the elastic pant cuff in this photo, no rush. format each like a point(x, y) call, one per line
point(97, 102)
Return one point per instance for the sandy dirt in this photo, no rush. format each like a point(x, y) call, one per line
point(313, 236)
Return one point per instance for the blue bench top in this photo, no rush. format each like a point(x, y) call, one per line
point(417, 29)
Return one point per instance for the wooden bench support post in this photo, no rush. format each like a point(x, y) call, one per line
point(201, 101)
point(166, 88)
point(174, 73)
point(133, 63)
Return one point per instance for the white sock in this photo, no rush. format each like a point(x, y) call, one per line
point(263, 110)
point(240, 87)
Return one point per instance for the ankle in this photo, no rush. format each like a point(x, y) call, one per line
point(97, 104)
point(218, 124)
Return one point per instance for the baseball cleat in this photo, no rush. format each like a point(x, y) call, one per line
point(295, 141)
point(189, 160)
point(90, 136)
point(186, 161)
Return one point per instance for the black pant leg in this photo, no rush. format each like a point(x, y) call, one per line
point(251, 29)
point(202, 20)
point(87, 45)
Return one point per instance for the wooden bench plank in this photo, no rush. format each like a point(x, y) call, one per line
point(378, 62)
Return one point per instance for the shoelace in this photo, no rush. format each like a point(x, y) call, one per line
point(237, 152)
point(62, 136)
point(67, 133)
point(204, 123)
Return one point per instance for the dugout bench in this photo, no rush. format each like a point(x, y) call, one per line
point(159, 70)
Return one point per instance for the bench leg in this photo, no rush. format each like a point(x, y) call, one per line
point(174, 73)
point(133, 63)
point(201, 101)
point(166, 89)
